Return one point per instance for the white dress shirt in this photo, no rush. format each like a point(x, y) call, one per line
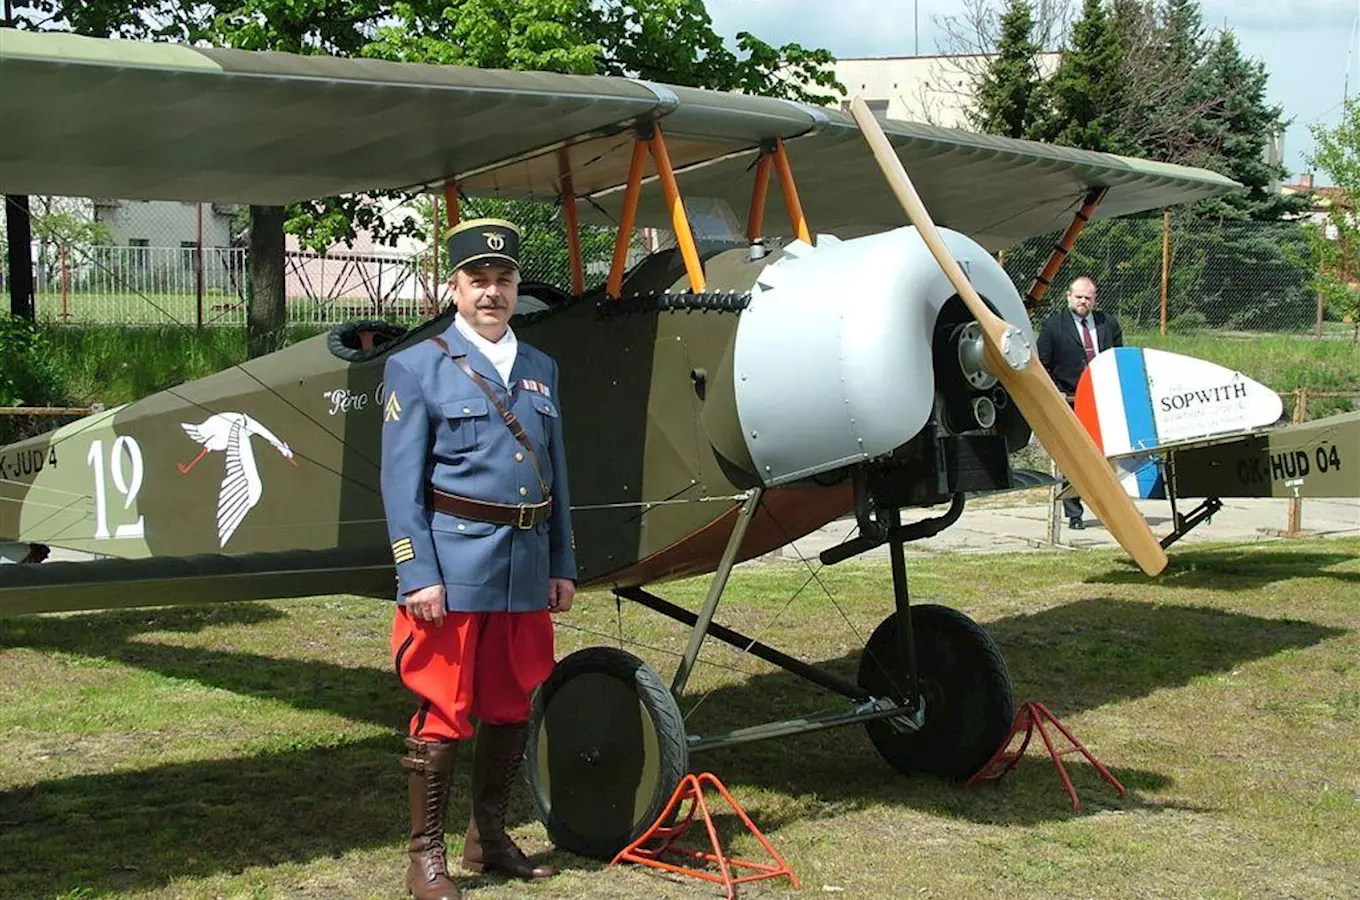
point(1090, 319)
point(501, 353)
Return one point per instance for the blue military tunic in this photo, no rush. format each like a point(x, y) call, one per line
point(440, 429)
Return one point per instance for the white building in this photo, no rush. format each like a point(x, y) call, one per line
point(937, 90)
point(165, 223)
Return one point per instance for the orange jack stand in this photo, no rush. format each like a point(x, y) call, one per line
point(1031, 716)
point(691, 789)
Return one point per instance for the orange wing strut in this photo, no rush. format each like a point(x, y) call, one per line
point(451, 201)
point(568, 194)
point(758, 192)
point(679, 221)
point(786, 187)
point(1055, 260)
point(626, 220)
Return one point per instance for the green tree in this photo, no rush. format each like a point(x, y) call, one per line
point(59, 223)
point(1169, 93)
point(1336, 154)
point(1087, 88)
point(1238, 126)
point(1010, 96)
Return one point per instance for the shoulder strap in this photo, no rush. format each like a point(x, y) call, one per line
point(511, 422)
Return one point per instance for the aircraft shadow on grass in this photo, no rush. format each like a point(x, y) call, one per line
point(127, 830)
point(1244, 568)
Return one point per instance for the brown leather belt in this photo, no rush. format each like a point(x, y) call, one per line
point(523, 516)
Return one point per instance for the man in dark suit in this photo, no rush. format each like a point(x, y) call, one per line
point(1068, 341)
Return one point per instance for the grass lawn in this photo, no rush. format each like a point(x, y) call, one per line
point(250, 750)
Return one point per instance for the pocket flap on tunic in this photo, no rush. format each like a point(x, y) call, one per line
point(445, 523)
point(464, 409)
point(543, 405)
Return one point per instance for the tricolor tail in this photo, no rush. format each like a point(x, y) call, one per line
point(1134, 401)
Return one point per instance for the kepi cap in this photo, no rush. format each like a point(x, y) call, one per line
point(482, 242)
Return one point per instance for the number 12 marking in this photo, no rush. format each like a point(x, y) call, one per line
point(125, 467)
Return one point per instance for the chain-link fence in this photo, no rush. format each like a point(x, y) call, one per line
point(1225, 277)
point(1230, 277)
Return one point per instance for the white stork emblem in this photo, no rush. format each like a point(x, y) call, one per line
point(241, 486)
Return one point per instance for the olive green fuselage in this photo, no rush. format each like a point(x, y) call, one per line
point(136, 483)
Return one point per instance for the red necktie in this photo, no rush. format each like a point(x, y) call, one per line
point(1086, 339)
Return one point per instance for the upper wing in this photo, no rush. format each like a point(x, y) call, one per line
point(996, 190)
point(104, 118)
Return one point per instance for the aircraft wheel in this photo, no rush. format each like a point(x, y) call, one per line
point(606, 750)
point(967, 690)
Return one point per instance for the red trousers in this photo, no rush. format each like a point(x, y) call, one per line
point(485, 665)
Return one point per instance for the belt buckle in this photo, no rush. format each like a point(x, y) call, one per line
point(525, 518)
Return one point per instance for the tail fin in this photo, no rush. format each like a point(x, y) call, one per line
point(1134, 401)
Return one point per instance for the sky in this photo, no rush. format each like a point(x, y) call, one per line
point(1305, 44)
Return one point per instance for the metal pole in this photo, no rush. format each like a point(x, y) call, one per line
point(748, 645)
point(1166, 262)
point(1054, 517)
point(65, 286)
point(1295, 504)
point(867, 711)
point(906, 639)
point(432, 298)
point(715, 589)
point(198, 266)
point(1321, 269)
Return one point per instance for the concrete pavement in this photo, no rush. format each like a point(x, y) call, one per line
point(992, 527)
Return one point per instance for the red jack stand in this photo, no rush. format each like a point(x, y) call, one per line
point(691, 789)
point(1031, 716)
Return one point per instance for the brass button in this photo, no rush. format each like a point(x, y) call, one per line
point(519, 457)
point(462, 527)
point(523, 491)
point(466, 410)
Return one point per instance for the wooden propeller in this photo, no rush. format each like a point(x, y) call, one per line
point(1017, 367)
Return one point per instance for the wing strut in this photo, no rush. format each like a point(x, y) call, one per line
point(451, 201)
point(774, 156)
point(756, 218)
point(568, 194)
point(1044, 279)
point(649, 139)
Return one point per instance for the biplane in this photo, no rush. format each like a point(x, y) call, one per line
point(719, 401)
point(1176, 427)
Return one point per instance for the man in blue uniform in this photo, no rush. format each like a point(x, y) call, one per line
point(474, 485)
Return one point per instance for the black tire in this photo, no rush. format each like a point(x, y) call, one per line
point(606, 750)
point(968, 697)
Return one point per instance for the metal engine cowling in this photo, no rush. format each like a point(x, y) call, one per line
point(832, 361)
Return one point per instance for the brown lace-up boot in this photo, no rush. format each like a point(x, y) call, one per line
point(428, 766)
point(495, 766)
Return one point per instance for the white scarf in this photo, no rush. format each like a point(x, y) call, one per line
point(501, 353)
